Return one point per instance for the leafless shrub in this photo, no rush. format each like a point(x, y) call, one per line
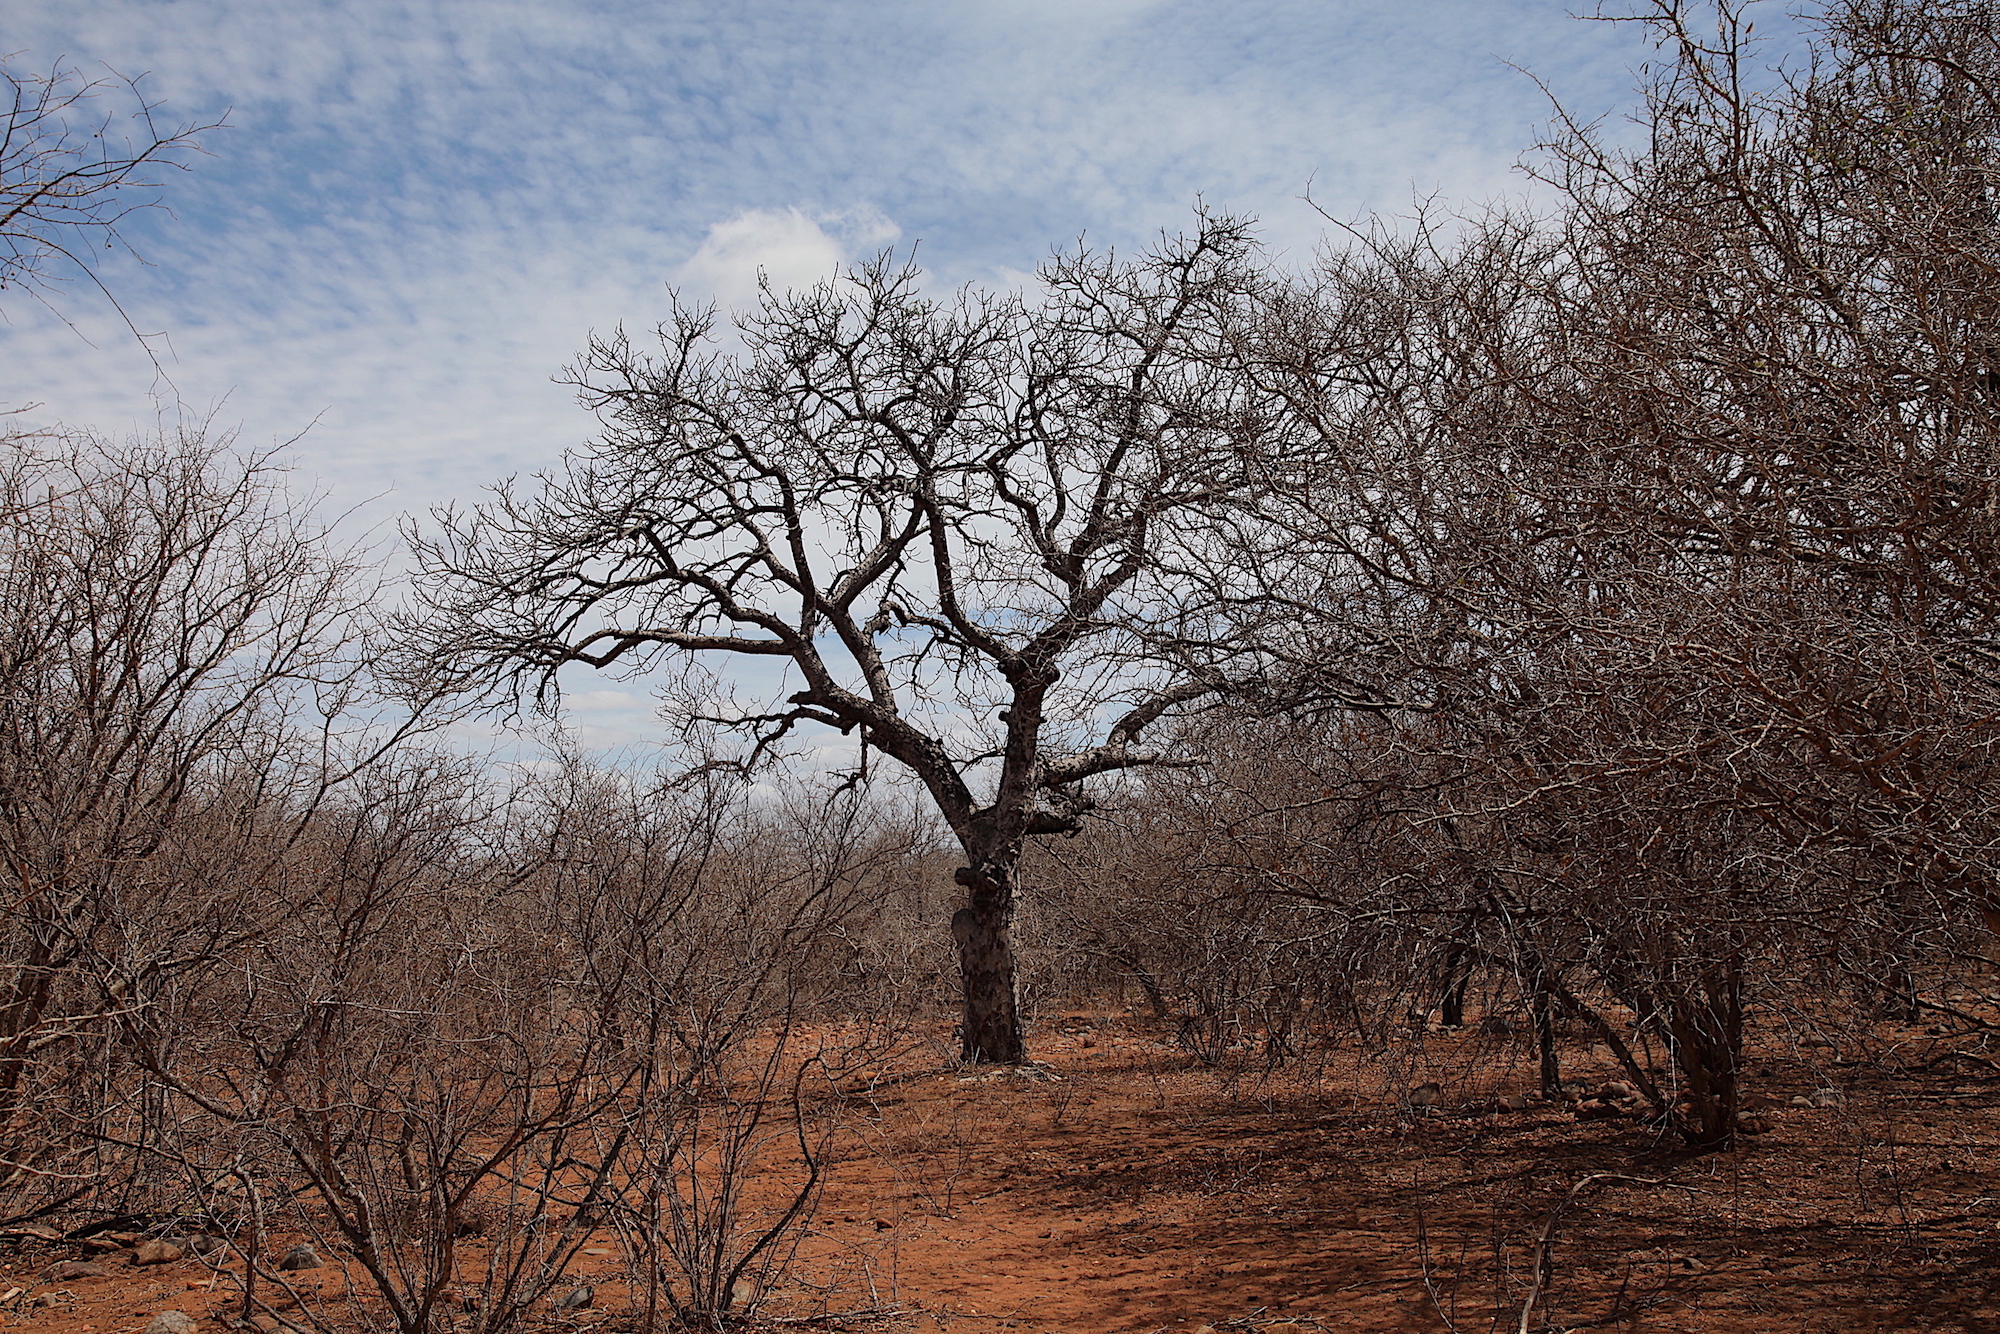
point(178, 632)
point(1648, 554)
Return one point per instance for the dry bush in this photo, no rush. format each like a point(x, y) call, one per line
point(477, 1025)
point(178, 629)
point(1652, 539)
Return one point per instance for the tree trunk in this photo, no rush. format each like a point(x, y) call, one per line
point(1457, 977)
point(984, 931)
point(1707, 1029)
point(1545, 1038)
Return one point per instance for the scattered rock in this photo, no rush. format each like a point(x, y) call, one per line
point(171, 1322)
point(34, 1230)
point(62, 1271)
point(1037, 1073)
point(576, 1299)
point(301, 1256)
point(157, 1251)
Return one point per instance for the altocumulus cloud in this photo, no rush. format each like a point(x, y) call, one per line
point(422, 209)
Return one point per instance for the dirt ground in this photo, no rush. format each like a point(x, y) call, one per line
point(1122, 1186)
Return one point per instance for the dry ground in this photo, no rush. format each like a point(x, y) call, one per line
point(1124, 1187)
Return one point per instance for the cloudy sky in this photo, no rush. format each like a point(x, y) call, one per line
point(420, 207)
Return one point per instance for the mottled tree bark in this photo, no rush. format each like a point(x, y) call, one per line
point(991, 1030)
point(1707, 1032)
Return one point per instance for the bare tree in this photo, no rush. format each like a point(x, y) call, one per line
point(1679, 504)
point(984, 538)
point(73, 170)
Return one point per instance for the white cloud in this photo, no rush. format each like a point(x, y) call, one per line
point(784, 247)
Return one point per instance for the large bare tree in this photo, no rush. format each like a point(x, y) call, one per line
point(984, 537)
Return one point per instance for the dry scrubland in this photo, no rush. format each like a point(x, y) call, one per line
point(1124, 1186)
point(1450, 788)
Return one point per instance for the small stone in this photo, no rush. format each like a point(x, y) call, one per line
point(35, 1230)
point(301, 1256)
point(156, 1251)
point(576, 1299)
point(62, 1271)
point(171, 1322)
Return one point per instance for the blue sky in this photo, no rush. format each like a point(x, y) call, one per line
point(421, 207)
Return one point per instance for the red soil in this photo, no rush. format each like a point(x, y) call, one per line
point(1126, 1188)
